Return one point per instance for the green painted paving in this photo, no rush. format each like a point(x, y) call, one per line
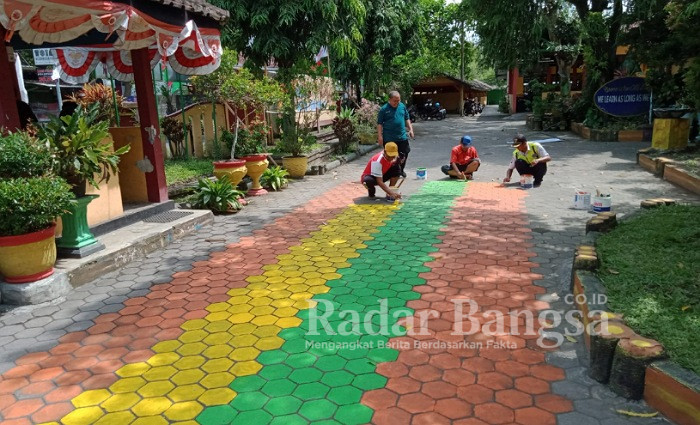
point(320, 379)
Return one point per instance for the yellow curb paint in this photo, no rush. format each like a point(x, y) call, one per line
point(195, 371)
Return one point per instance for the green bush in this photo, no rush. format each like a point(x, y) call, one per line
point(274, 178)
point(504, 105)
point(218, 196)
point(22, 155)
point(31, 204)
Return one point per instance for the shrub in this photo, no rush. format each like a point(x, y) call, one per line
point(31, 204)
point(218, 196)
point(175, 132)
point(344, 129)
point(274, 178)
point(101, 97)
point(22, 155)
point(367, 112)
point(251, 139)
point(504, 105)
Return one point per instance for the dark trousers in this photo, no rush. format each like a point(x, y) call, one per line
point(461, 167)
point(538, 171)
point(404, 149)
point(371, 181)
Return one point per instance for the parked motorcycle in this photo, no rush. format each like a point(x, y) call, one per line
point(472, 107)
point(413, 113)
point(432, 110)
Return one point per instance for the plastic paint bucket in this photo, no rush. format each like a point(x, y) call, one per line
point(422, 174)
point(582, 200)
point(526, 181)
point(602, 203)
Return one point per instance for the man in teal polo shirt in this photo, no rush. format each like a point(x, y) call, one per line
point(392, 121)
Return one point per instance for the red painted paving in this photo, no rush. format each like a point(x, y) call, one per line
point(484, 256)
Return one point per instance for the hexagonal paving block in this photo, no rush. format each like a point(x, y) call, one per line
point(285, 405)
point(279, 387)
point(305, 375)
point(248, 383)
point(253, 400)
point(345, 395)
point(318, 409)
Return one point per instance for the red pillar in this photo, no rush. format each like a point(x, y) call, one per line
point(9, 117)
point(150, 128)
point(513, 77)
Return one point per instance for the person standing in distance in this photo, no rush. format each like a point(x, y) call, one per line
point(392, 121)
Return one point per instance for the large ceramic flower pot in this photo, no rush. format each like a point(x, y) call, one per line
point(233, 170)
point(29, 257)
point(295, 165)
point(256, 165)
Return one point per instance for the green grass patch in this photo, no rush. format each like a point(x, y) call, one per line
point(651, 270)
point(184, 170)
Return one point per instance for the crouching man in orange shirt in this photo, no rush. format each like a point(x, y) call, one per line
point(464, 160)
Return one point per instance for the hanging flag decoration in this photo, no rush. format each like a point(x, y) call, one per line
point(188, 48)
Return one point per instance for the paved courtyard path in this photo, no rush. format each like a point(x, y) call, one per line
point(320, 306)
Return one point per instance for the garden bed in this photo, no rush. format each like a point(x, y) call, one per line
point(641, 277)
point(609, 135)
point(681, 168)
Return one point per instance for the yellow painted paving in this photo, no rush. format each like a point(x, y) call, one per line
point(194, 371)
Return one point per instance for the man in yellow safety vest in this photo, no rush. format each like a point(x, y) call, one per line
point(528, 158)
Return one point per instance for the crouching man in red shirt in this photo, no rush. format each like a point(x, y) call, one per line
point(381, 168)
point(464, 160)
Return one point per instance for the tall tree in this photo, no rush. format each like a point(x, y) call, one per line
point(292, 31)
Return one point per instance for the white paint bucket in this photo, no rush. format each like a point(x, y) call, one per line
point(582, 200)
point(422, 174)
point(526, 181)
point(602, 203)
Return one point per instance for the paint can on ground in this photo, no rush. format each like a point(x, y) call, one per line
point(582, 200)
point(602, 203)
point(526, 181)
point(422, 174)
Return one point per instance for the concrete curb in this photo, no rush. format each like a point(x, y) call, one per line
point(361, 151)
point(38, 292)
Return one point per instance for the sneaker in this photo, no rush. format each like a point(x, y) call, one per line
point(537, 184)
point(403, 174)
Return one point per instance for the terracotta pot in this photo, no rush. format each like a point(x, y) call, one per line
point(256, 165)
point(29, 257)
point(234, 170)
point(296, 165)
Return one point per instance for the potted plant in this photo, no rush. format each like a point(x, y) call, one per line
point(83, 153)
point(293, 143)
point(248, 147)
point(234, 169)
point(30, 200)
point(274, 178)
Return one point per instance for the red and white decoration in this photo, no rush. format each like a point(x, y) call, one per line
point(190, 50)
